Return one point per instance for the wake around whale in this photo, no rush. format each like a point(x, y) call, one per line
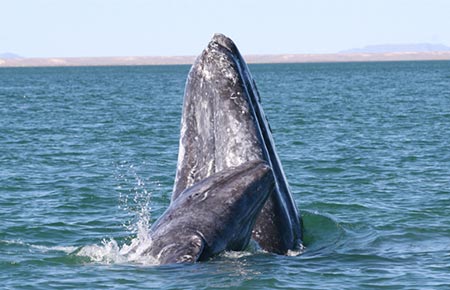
point(229, 185)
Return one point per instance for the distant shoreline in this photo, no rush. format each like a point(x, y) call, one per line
point(187, 60)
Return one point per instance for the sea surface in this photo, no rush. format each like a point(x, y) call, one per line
point(88, 157)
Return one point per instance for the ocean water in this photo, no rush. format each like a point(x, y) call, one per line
point(88, 156)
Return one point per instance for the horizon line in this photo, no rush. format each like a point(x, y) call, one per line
point(250, 58)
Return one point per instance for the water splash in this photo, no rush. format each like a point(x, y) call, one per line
point(135, 200)
point(134, 196)
point(110, 252)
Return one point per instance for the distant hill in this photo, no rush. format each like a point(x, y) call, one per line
point(9, 55)
point(398, 48)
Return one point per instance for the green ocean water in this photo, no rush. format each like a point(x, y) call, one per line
point(88, 156)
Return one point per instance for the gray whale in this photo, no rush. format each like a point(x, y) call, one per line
point(229, 184)
point(223, 125)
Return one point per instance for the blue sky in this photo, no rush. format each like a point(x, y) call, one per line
point(74, 28)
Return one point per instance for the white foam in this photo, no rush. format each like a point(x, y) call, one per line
point(294, 253)
point(65, 249)
point(237, 254)
point(110, 252)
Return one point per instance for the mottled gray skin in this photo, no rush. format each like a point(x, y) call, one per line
point(223, 125)
point(214, 215)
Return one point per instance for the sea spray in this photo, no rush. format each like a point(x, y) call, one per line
point(134, 197)
point(135, 200)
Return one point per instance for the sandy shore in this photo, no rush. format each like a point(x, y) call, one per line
point(172, 60)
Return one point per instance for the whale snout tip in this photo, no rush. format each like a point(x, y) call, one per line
point(224, 41)
point(218, 36)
